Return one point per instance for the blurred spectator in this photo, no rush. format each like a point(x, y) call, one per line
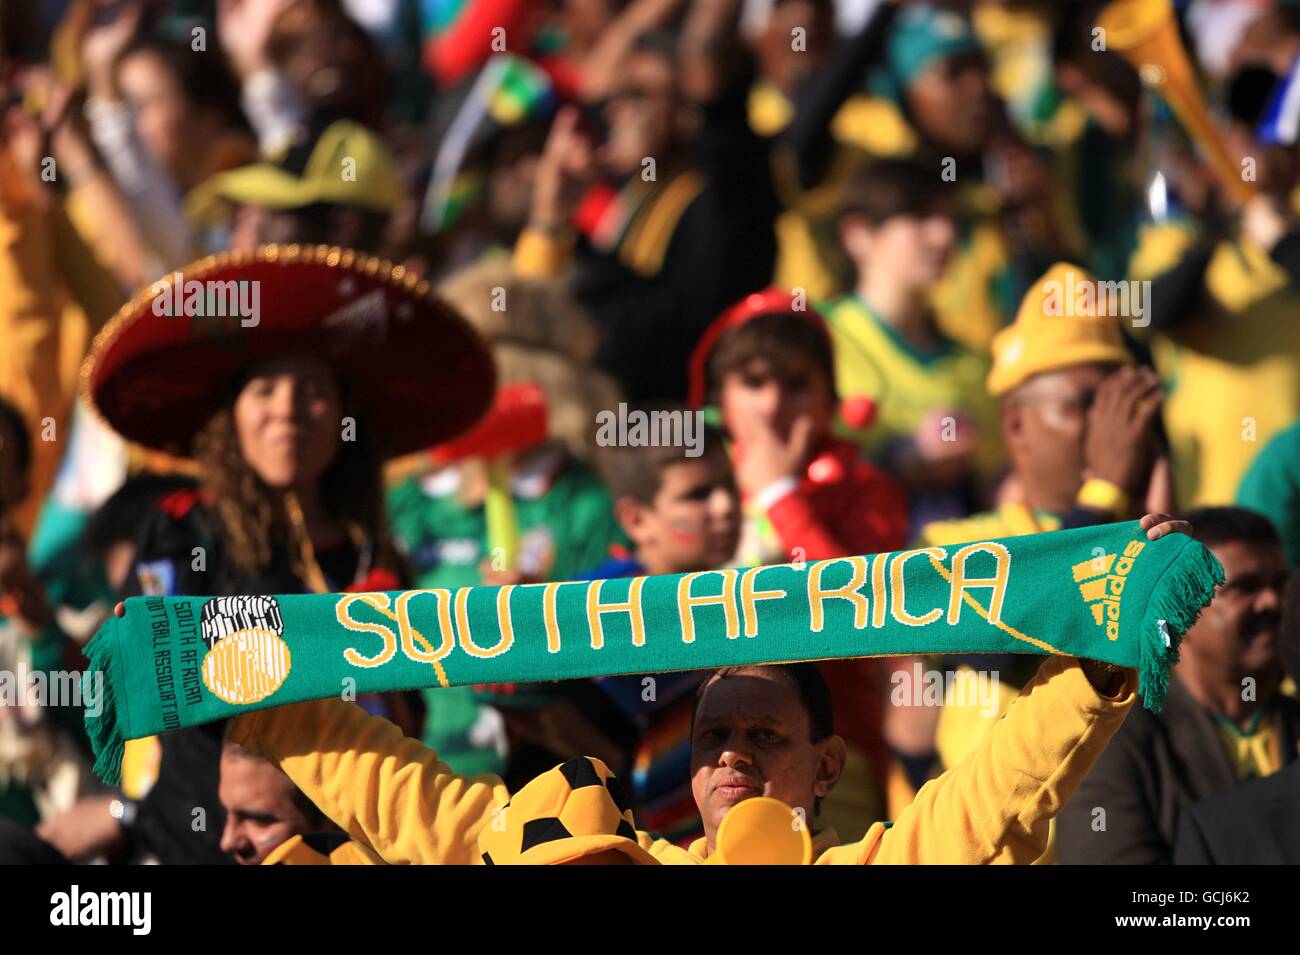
point(1096, 135)
point(1224, 720)
point(329, 59)
point(933, 101)
point(809, 90)
point(42, 771)
point(335, 184)
point(1078, 421)
point(933, 424)
point(163, 119)
point(56, 294)
point(1223, 283)
point(1272, 487)
point(673, 199)
point(1258, 822)
point(559, 519)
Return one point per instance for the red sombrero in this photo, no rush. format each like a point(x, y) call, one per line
point(419, 372)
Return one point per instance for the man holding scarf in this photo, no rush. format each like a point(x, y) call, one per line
point(755, 734)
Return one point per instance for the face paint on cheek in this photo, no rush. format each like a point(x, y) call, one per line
point(269, 840)
point(684, 533)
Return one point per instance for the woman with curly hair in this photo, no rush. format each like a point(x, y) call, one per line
point(289, 375)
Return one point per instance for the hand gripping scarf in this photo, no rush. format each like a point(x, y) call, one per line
point(1105, 593)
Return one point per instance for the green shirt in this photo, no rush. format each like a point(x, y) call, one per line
point(566, 526)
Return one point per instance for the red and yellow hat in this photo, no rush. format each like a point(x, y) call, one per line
point(161, 367)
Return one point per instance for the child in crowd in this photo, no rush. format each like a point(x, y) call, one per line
point(681, 511)
point(767, 363)
point(934, 426)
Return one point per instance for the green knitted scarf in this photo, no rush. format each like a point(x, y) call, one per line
point(1106, 593)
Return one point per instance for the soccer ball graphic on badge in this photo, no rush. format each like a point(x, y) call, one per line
point(247, 660)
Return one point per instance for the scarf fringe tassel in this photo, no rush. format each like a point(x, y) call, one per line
point(1186, 587)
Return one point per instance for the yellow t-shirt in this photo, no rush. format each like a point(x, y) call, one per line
point(872, 358)
point(966, 301)
point(1009, 520)
point(1232, 379)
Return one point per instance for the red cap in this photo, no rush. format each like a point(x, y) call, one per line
point(770, 301)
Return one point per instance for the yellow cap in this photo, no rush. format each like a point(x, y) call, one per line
point(577, 809)
point(1058, 326)
point(345, 165)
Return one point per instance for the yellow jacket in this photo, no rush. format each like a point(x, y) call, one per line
point(321, 848)
point(54, 296)
point(1232, 379)
point(389, 792)
point(1009, 520)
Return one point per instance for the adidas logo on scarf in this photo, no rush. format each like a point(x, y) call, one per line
point(1101, 589)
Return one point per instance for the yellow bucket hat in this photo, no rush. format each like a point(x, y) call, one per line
point(577, 809)
point(1058, 325)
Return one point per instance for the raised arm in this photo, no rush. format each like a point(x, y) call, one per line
point(808, 138)
point(382, 788)
point(607, 57)
point(996, 804)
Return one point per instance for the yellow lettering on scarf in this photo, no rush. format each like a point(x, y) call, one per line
point(960, 582)
point(378, 601)
point(817, 596)
point(897, 606)
point(749, 598)
point(410, 634)
point(549, 618)
point(878, 590)
point(505, 629)
point(631, 607)
point(686, 603)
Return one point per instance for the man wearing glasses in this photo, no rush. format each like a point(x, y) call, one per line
point(1226, 719)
